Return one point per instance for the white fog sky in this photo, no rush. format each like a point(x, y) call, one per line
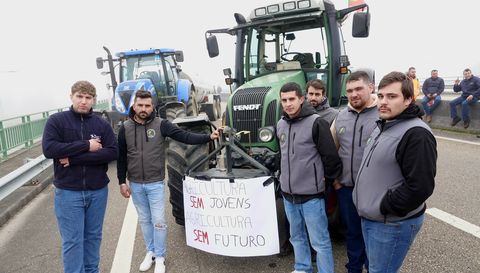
point(47, 45)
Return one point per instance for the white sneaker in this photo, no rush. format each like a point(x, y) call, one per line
point(160, 265)
point(295, 271)
point(147, 261)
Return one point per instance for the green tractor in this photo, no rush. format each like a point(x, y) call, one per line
point(293, 41)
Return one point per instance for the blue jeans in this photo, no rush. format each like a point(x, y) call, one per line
point(465, 107)
point(357, 256)
point(80, 217)
point(387, 244)
point(429, 109)
point(149, 200)
point(312, 215)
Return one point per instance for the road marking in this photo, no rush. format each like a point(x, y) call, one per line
point(123, 253)
point(455, 221)
point(458, 140)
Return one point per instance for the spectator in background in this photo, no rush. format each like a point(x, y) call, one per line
point(316, 97)
point(412, 75)
point(432, 88)
point(470, 87)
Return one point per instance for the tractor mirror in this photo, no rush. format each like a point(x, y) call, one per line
point(179, 56)
point(99, 63)
point(361, 24)
point(212, 46)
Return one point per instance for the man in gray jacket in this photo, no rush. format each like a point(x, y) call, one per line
point(350, 131)
point(396, 176)
point(141, 146)
point(308, 161)
point(316, 97)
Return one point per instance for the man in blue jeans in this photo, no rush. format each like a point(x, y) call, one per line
point(81, 145)
point(470, 87)
point(432, 88)
point(142, 144)
point(350, 130)
point(396, 176)
point(308, 161)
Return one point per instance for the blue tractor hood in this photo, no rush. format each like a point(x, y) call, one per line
point(125, 94)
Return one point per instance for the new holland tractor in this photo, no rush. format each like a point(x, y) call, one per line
point(293, 41)
point(156, 70)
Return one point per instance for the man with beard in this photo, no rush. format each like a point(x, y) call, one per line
point(316, 97)
point(141, 146)
point(350, 131)
point(396, 176)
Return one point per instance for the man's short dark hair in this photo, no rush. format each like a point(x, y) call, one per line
point(317, 84)
point(292, 86)
point(434, 70)
point(359, 75)
point(142, 94)
point(395, 76)
point(467, 70)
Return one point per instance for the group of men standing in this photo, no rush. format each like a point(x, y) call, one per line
point(379, 156)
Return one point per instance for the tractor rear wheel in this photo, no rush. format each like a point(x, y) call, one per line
point(179, 157)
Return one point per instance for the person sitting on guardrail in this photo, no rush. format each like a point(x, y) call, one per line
point(470, 87)
point(81, 145)
point(432, 88)
point(141, 148)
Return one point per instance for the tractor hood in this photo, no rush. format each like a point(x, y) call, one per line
point(125, 94)
point(277, 79)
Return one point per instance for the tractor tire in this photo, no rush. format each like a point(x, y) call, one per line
point(192, 106)
point(175, 112)
point(179, 157)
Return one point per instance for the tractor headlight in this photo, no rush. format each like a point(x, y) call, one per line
point(119, 104)
point(265, 134)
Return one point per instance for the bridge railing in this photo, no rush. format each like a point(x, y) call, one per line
point(23, 131)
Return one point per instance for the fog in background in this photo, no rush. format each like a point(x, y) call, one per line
point(47, 45)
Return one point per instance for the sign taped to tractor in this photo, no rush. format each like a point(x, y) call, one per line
point(233, 219)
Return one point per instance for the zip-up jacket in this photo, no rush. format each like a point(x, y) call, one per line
point(142, 147)
point(469, 87)
point(351, 130)
point(398, 169)
point(326, 112)
point(308, 155)
point(433, 86)
point(67, 135)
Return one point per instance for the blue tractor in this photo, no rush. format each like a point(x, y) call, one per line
point(156, 71)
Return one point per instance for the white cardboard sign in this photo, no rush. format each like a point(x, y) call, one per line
point(231, 219)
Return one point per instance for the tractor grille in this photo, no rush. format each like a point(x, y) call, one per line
point(271, 118)
point(247, 111)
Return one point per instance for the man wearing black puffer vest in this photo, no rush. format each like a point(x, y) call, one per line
point(396, 176)
point(309, 160)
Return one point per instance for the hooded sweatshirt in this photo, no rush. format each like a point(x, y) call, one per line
point(397, 173)
point(308, 155)
point(325, 111)
point(142, 147)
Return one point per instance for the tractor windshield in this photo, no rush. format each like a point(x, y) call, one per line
point(144, 67)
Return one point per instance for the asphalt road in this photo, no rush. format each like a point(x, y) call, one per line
point(30, 241)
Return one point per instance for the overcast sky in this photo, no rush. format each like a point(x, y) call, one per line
point(47, 45)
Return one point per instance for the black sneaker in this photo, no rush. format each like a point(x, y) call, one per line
point(286, 249)
point(455, 120)
point(466, 123)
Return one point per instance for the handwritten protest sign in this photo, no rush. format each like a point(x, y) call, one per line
point(231, 219)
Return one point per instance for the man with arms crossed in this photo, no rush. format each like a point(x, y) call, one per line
point(81, 145)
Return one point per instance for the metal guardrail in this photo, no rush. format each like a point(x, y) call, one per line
point(23, 175)
point(24, 130)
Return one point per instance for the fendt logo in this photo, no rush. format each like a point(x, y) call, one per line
point(246, 107)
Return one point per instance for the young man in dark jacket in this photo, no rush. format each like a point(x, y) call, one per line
point(142, 144)
point(81, 145)
point(316, 97)
point(396, 176)
point(309, 159)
